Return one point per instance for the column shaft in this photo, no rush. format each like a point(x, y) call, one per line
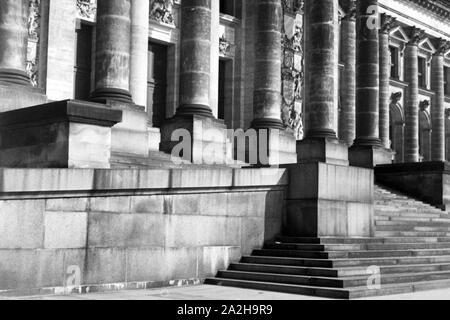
point(139, 51)
point(412, 102)
point(13, 41)
point(438, 106)
point(195, 58)
point(112, 55)
point(348, 46)
point(367, 75)
point(385, 70)
point(320, 68)
point(268, 56)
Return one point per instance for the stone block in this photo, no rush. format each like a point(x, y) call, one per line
point(260, 177)
point(148, 204)
point(147, 264)
point(125, 230)
point(201, 178)
point(13, 97)
point(329, 200)
point(252, 234)
point(67, 204)
point(110, 204)
point(65, 230)
point(369, 157)
point(213, 259)
point(22, 224)
point(105, 265)
point(322, 150)
point(204, 140)
point(63, 134)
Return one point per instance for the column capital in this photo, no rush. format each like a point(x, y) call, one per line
point(415, 36)
point(350, 10)
point(442, 46)
point(387, 23)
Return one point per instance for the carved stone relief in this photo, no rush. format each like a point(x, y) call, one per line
point(162, 11)
point(87, 10)
point(292, 67)
point(34, 23)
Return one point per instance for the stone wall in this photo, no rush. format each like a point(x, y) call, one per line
point(64, 228)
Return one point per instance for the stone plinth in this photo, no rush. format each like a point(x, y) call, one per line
point(369, 156)
point(204, 139)
point(426, 181)
point(322, 150)
point(328, 200)
point(14, 96)
point(64, 134)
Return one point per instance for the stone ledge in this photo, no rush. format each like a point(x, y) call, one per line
point(66, 110)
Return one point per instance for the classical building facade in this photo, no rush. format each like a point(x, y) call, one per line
point(95, 96)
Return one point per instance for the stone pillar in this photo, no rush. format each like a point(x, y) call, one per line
point(367, 150)
point(385, 70)
point(195, 58)
point(438, 103)
point(139, 51)
point(412, 97)
point(112, 55)
point(268, 58)
point(348, 84)
point(14, 41)
point(320, 68)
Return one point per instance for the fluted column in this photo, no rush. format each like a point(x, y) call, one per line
point(320, 68)
point(139, 51)
point(268, 56)
point(412, 97)
point(112, 55)
point(348, 85)
point(385, 70)
point(367, 75)
point(195, 74)
point(13, 41)
point(438, 103)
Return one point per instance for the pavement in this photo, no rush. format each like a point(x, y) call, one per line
point(206, 292)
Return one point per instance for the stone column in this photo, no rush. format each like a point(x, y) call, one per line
point(320, 68)
point(195, 59)
point(139, 51)
point(14, 41)
point(385, 70)
point(267, 90)
point(438, 103)
point(367, 150)
point(112, 55)
point(412, 97)
point(348, 84)
point(367, 75)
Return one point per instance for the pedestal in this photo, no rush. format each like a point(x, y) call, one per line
point(325, 150)
point(369, 156)
point(326, 200)
point(63, 134)
point(198, 139)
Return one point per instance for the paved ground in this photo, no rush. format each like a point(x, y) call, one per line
point(205, 292)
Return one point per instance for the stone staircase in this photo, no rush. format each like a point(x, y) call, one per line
point(411, 249)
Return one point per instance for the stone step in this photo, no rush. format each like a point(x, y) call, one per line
point(405, 220)
point(345, 282)
point(335, 293)
point(338, 272)
point(406, 214)
point(384, 234)
point(445, 224)
point(353, 247)
point(413, 227)
point(334, 240)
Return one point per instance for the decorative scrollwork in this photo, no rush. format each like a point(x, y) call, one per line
point(34, 27)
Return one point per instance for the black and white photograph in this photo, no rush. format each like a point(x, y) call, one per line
point(230, 157)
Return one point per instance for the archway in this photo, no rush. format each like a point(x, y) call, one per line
point(396, 131)
point(424, 131)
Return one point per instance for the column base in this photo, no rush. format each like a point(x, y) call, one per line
point(369, 156)
point(195, 138)
point(195, 110)
point(15, 77)
point(326, 200)
point(326, 150)
point(265, 123)
point(111, 94)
